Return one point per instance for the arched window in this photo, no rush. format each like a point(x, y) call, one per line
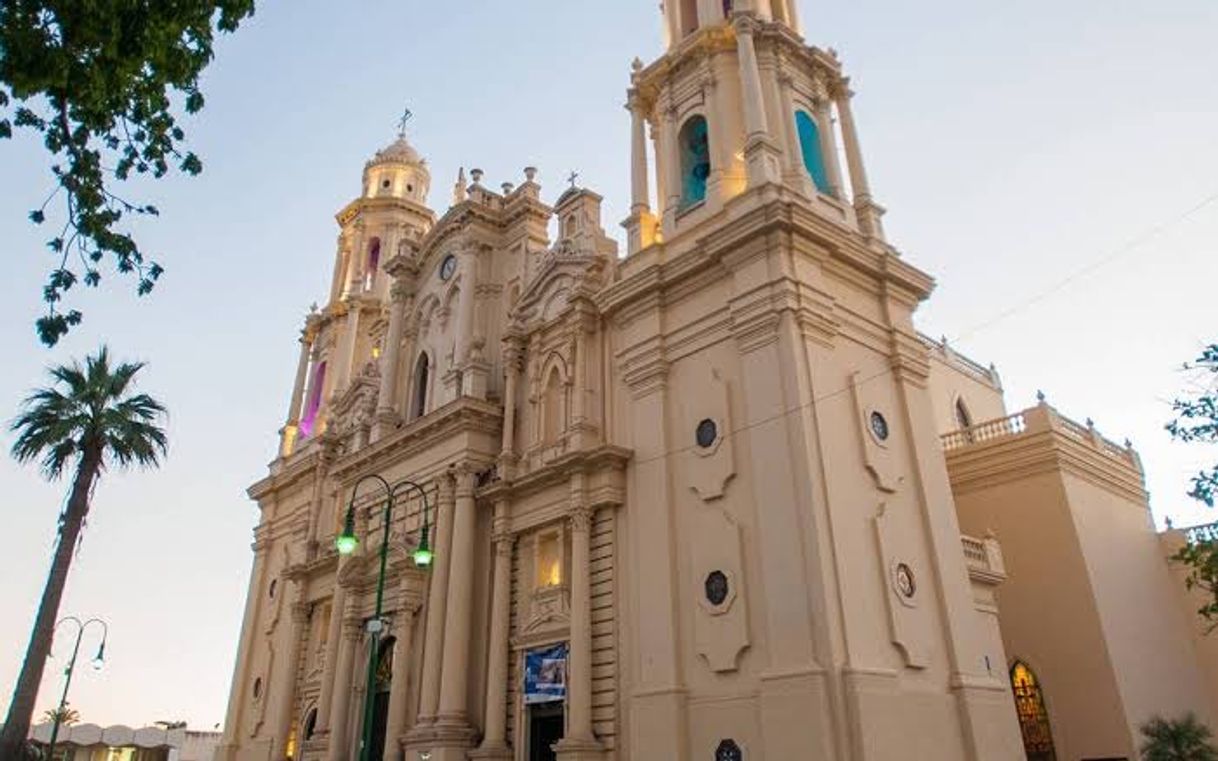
point(552, 411)
point(694, 143)
point(421, 378)
point(809, 145)
point(373, 263)
point(1033, 718)
point(963, 418)
point(310, 724)
point(727, 9)
point(309, 421)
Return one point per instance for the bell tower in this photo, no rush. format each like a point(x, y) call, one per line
point(740, 102)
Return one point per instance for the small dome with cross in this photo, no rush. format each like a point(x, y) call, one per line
point(397, 171)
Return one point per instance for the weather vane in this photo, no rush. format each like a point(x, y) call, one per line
point(572, 178)
point(402, 122)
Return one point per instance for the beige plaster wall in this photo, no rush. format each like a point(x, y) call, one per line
point(1144, 628)
point(954, 377)
point(1048, 613)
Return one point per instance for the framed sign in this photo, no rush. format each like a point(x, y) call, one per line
point(545, 674)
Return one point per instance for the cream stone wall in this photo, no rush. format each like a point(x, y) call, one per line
point(1087, 605)
point(1205, 643)
point(712, 466)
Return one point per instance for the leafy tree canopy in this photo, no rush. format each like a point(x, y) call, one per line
point(1197, 421)
point(100, 81)
point(1183, 739)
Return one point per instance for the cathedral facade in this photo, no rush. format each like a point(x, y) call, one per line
point(700, 499)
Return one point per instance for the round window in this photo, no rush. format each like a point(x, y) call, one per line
point(706, 433)
point(448, 267)
point(879, 426)
point(384, 183)
point(716, 587)
point(905, 581)
point(728, 750)
point(410, 188)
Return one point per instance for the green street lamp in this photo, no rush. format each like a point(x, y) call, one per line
point(346, 543)
point(98, 661)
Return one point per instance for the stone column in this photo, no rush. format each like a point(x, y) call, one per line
point(657, 148)
point(579, 743)
point(758, 150)
point(346, 356)
point(437, 598)
point(285, 680)
point(865, 208)
point(671, 163)
point(640, 193)
point(340, 711)
point(465, 305)
point(334, 638)
point(386, 412)
point(494, 736)
point(828, 145)
point(403, 631)
point(794, 166)
point(452, 714)
point(287, 435)
point(511, 364)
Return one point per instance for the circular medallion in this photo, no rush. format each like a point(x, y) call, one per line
point(879, 426)
point(448, 267)
point(716, 588)
point(728, 750)
point(707, 433)
point(905, 581)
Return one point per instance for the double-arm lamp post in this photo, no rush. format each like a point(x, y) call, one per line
point(98, 660)
point(346, 544)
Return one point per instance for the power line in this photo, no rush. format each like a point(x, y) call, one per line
point(1127, 247)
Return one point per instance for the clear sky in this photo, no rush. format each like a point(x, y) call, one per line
point(1014, 144)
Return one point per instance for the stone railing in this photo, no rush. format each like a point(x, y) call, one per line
point(1204, 533)
point(1042, 417)
point(987, 431)
point(984, 559)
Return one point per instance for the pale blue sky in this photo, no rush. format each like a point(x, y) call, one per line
point(1013, 144)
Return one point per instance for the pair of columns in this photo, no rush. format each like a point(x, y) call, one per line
point(579, 743)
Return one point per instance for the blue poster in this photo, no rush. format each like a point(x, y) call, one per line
point(545, 674)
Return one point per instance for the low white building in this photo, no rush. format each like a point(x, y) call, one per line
point(89, 742)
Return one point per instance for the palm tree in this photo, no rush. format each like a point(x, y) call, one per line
point(67, 716)
point(1184, 739)
point(87, 420)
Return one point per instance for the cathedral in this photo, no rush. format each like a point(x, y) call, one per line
point(712, 497)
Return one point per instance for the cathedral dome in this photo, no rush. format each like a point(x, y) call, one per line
point(400, 151)
point(397, 170)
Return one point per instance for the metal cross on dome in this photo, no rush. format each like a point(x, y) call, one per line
point(402, 122)
point(572, 178)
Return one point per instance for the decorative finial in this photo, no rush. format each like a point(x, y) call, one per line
point(402, 122)
point(507, 188)
point(529, 173)
point(476, 175)
point(313, 308)
point(636, 64)
point(1090, 423)
point(571, 178)
point(1169, 523)
point(1040, 396)
point(459, 187)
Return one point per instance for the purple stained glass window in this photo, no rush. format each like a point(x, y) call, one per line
point(310, 417)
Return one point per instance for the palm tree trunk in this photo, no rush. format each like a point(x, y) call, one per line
point(21, 710)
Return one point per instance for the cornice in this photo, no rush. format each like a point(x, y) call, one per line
point(293, 470)
point(362, 205)
point(607, 457)
point(463, 415)
point(1013, 458)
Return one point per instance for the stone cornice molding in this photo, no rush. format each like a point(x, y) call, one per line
point(599, 460)
point(1013, 458)
point(466, 415)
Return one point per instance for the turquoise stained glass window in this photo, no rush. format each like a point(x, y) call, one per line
point(694, 142)
point(809, 144)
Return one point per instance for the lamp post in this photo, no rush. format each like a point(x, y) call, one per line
point(346, 543)
point(98, 660)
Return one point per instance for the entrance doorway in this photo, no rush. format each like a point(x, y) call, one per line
point(380, 705)
point(545, 729)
